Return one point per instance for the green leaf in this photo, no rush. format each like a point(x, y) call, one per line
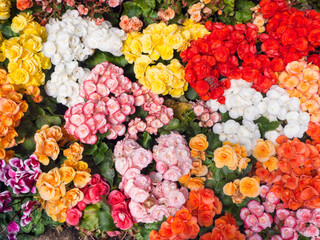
point(145, 229)
point(105, 219)
point(146, 141)
point(24, 237)
point(36, 216)
point(106, 167)
point(214, 141)
point(244, 5)
point(98, 157)
point(265, 125)
point(7, 31)
point(99, 57)
point(38, 229)
point(27, 228)
point(29, 144)
point(229, 3)
point(90, 149)
point(225, 116)
point(173, 125)
point(103, 147)
point(195, 128)
point(191, 94)
point(49, 120)
point(90, 217)
point(131, 9)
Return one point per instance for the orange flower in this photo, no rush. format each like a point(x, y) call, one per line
point(195, 183)
point(249, 187)
point(206, 236)
point(24, 4)
point(81, 179)
point(183, 214)
point(177, 226)
point(231, 188)
point(263, 150)
point(207, 195)
point(225, 156)
point(199, 142)
point(193, 201)
point(165, 230)
point(271, 164)
point(166, 15)
point(191, 229)
point(74, 152)
point(8, 106)
point(72, 197)
point(205, 218)
point(67, 174)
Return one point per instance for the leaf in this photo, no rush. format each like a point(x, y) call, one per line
point(244, 5)
point(100, 57)
point(229, 3)
point(29, 144)
point(173, 125)
point(38, 229)
point(103, 147)
point(146, 141)
point(195, 128)
point(36, 216)
point(24, 237)
point(90, 217)
point(105, 219)
point(225, 116)
point(48, 120)
point(7, 31)
point(131, 9)
point(191, 94)
point(27, 228)
point(98, 157)
point(214, 141)
point(145, 229)
point(106, 167)
point(90, 149)
point(265, 125)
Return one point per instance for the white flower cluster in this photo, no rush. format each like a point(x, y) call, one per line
point(244, 101)
point(65, 83)
point(71, 40)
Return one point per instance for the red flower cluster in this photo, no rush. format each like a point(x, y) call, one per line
point(204, 205)
point(226, 227)
point(297, 181)
point(182, 226)
point(292, 33)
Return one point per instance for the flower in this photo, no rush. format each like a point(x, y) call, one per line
point(121, 216)
point(166, 15)
point(263, 150)
point(199, 142)
point(24, 4)
point(5, 9)
point(73, 216)
point(249, 187)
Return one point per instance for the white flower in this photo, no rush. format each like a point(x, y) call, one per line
point(282, 114)
point(213, 105)
point(262, 107)
point(231, 127)
point(291, 130)
point(272, 136)
point(217, 128)
point(49, 49)
point(222, 137)
point(233, 138)
point(244, 132)
point(257, 98)
point(251, 113)
point(293, 104)
point(273, 107)
point(304, 118)
point(247, 93)
point(222, 108)
point(250, 125)
point(233, 113)
point(292, 117)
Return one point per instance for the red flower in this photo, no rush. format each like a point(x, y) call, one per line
point(221, 54)
point(250, 74)
point(201, 87)
point(269, 9)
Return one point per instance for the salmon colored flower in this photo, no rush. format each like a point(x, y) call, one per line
point(74, 152)
point(199, 142)
point(263, 150)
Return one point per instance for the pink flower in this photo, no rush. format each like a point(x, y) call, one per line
point(122, 165)
point(272, 198)
point(276, 237)
point(269, 207)
point(121, 216)
point(301, 226)
point(158, 212)
point(291, 222)
point(176, 199)
point(73, 216)
point(251, 221)
point(143, 181)
point(304, 215)
point(311, 231)
point(114, 3)
point(198, 110)
point(173, 174)
point(141, 158)
point(255, 237)
point(81, 205)
point(264, 189)
point(113, 233)
point(244, 213)
point(155, 177)
point(137, 210)
point(255, 208)
point(265, 220)
point(116, 197)
point(138, 194)
point(287, 232)
point(282, 214)
point(316, 217)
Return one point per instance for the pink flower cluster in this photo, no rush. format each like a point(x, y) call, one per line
point(120, 212)
point(287, 222)
point(111, 98)
point(308, 222)
point(255, 218)
point(270, 199)
point(27, 208)
point(93, 192)
point(151, 197)
point(206, 116)
point(172, 156)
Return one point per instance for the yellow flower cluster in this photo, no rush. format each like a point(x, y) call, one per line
point(157, 41)
point(231, 155)
point(240, 189)
point(26, 60)
point(5, 6)
point(52, 187)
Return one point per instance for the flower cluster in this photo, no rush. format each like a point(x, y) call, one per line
point(13, 229)
point(314, 131)
point(258, 19)
point(5, 199)
point(270, 200)
point(20, 175)
point(215, 54)
point(120, 211)
point(26, 60)
point(308, 222)
point(205, 114)
point(250, 104)
point(12, 109)
point(74, 152)
point(226, 227)
point(195, 11)
point(102, 111)
point(182, 226)
point(166, 15)
point(231, 155)
point(240, 189)
point(255, 218)
point(130, 24)
point(204, 205)
point(5, 7)
point(198, 145)
point(53, 186)
point(172, 156)
point(71, 40)
point(292, 33)
point(301, 80)
point(92, 192)
point(296, 181)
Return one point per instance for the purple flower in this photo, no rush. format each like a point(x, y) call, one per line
point(27, 207)
point(13, 229)
point(5, 199)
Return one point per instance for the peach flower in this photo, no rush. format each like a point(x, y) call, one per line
point(263, 150)
point(74, 152)
point(81, 179)
point(24, 4)
point(67, 174)
point(271, 164)
point(166, 15)
point(72, 197)
point(225, 156)
point(199, 142)
point(57, 210)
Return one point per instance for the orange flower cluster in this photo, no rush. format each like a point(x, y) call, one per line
point(74, 154)
point(198, 145)
point(46, 143)
point(231, 155)
point(265, 152)
point(314, 131)
point(226, 227)
point(297, 181)
point(204, 205)
point(12, 109)
point(52, 187)
point(302, 80)
point(34, 92)
point(240, 189)
point(182, 226)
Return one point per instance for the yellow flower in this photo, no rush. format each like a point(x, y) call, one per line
point(136, 47)
point(158, 86)
point(249, 187)
point(166, 76)
point(5, 6)
point(67, 174)
point(147, 44)
point(19, 22)
point(30, 65)
point(13, 52)
point(19, 76)
point(72, 197)
point(170, 29)
point(81, 179)
point(157, 39)
point(81, 166)
point(271, 164)
point(32, 42)
point(176, 40)
point(165, 51)
point(263, 150)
